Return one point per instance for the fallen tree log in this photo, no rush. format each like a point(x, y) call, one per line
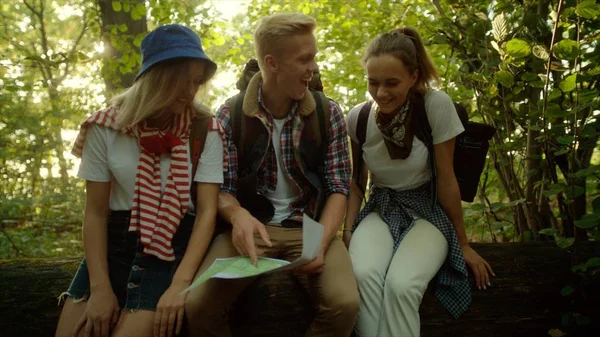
point(525, 298)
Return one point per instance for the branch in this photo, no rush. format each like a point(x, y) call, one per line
point(74, 48)
point(439, 8)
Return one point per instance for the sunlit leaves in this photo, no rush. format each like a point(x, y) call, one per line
point(117, 6)
point(518, 48)
point(540, 52)
point(500, 29)
point(588, 9)
point(569, 83)
point(566, 49)
point(505, 78)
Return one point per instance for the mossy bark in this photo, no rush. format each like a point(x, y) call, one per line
point(524, 299)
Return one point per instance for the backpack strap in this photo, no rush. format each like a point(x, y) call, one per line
point(424, 132)
point(323, 116)
point(198, 132)
point(236, 115)
point(361, 134)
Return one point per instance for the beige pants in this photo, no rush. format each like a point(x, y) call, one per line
point(392, 284)
point(334, 289)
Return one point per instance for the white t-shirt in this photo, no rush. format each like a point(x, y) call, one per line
point(285, 191)
point(412, 172)
point(111, 155)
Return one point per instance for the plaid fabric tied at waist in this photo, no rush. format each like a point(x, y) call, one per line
point(452, 288)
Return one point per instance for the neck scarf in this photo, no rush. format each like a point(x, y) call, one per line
point(397, 130)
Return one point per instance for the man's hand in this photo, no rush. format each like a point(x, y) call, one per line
point(242, 235)
point(313, 267)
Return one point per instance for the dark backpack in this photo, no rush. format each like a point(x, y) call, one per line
point(470, 149)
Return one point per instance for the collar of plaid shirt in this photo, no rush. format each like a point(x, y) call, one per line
point(290, 141)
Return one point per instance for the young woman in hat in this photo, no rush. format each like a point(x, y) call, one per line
point(138, 217)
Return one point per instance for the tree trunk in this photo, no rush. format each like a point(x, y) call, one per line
point(113, 78)
point(524, 299)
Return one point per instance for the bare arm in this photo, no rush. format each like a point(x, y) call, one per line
point(228, 205)
point(204, 227)
point(331, 217)
point(102, 308)
point(448, 191)
point(449, 195)
point(357, 188)
point(94, 232)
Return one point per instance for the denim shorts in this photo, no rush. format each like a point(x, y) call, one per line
point(137, 279)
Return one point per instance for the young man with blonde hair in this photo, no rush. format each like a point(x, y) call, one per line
point(278, 167)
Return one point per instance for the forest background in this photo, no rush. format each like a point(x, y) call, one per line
point(530, 68)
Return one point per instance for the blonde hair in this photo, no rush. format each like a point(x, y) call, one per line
point(153, 91)
point(272, 30)
point(406, 44)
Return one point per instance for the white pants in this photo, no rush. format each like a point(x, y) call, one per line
point(391, 285)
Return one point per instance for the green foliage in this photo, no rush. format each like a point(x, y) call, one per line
point(542, 176)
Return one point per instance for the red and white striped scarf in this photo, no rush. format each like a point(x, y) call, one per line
point(155, 216)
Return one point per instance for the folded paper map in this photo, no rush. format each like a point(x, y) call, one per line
point(241, 266)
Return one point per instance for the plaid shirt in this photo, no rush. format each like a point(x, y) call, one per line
point(337, 161)
point(452, 287)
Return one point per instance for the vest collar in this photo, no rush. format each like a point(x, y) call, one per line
point(251, 106)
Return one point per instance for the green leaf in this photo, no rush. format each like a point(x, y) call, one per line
point(588, 9)
point(594, 71)
point(582, 267)
point(529, 76)
point(138, 40)
point(575, 191)
point(548, 231)
point(518, 48)
point(554, 110)
point(566, 291)
point(553, 191)
point(219, 41)
point(240, 41)
point(499, 27)
point(540, 52)
point(593, 262)
point(568, 84)
point(126, 7)
point(567, 140)
point(596, 205)
point(588, 221)
point(563, 242)
point(141, 9)
point(306, 10)
point(554, 94)
point(116, 5)
point(123, 28)
point(586, 172)
point(566, 49)
point(561, 152)
point(505, 78)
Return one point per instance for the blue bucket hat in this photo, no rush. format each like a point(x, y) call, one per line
point(170, 42)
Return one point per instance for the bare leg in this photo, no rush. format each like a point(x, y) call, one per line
point(69, 317)
point(138, 323)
